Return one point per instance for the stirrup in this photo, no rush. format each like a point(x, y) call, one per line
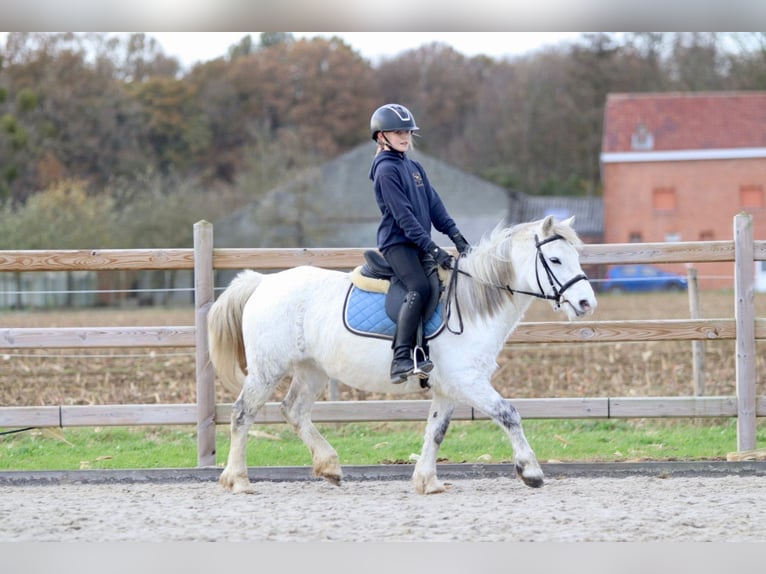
point(422, 368)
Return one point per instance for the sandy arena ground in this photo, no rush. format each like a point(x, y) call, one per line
point(634, 508)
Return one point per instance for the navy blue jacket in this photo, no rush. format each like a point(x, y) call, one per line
point(407, 202)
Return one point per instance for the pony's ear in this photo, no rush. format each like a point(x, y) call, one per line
point(569, 222)
point(548, 226)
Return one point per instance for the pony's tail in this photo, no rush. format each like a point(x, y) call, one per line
point(224, 330)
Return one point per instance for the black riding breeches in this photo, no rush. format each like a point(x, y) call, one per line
point(406, 263)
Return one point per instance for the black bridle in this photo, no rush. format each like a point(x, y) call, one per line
point(557, 286)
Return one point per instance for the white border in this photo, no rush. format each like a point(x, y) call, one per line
point(684, 155)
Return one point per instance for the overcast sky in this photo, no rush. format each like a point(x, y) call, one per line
point(191, 47)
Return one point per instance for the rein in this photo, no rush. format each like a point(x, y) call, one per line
point(558, 287)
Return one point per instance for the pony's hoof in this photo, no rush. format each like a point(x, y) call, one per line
point(429, 486)
point(435, 487)
point(329, 469)
point(531, 477)
point(243, 489)
point(238, 484)
point(335, 479)
point(333, 476)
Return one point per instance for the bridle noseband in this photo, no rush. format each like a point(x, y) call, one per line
point(557, 286)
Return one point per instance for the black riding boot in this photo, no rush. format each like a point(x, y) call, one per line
point(407, 324)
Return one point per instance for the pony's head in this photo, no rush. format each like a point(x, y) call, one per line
point(539, 259)
point(549, 266)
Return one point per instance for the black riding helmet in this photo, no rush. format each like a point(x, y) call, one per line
point(391, 117)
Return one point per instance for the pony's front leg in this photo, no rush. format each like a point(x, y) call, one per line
point(234, 476)
point(439, 416)
point(527, 467)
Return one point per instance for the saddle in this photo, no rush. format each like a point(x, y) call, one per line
point(376, 267)
point(376, 295)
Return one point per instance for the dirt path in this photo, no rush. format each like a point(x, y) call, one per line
point(724, 508)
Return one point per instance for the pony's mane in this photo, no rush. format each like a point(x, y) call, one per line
point(489, 264)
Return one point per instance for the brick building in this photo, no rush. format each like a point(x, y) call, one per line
point(680, 166)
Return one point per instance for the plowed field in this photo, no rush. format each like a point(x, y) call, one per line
point(161, 375)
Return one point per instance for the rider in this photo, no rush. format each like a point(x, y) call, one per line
point(409, 206)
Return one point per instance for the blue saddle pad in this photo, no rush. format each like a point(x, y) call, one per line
point(364, 313)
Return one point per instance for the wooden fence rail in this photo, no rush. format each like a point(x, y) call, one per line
point(203, 259)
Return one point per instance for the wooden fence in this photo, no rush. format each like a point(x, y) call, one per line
point(204, 259)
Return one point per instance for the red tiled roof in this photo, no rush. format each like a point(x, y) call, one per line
point(686, 121)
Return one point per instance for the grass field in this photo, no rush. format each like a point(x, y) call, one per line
point(140, 376)
point(359, 444)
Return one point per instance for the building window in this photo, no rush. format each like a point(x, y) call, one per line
point(642, 138)
point(751, 197)
point(672, 237)
point(664, 199)
point(634, 237)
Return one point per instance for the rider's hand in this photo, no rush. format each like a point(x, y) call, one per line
point(460, 243)
point(443, 258)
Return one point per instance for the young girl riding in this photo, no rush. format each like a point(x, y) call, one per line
point(409, 207)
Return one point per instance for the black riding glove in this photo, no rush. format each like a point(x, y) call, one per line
point(460, 243)
point(443, 258)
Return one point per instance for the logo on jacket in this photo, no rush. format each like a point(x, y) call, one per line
point(418, 178)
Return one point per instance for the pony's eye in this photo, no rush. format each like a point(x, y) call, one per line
point(555, 260)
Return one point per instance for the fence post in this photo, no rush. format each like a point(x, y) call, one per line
point(698, 347)
point(744, 316)
point(203, 299)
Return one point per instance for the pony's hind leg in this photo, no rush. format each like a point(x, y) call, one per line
point(308, 383)
point(251, 399)
point(439, 417)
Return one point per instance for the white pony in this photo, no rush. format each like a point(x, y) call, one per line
point(290, 323)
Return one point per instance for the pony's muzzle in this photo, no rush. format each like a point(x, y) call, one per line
point(584, 307)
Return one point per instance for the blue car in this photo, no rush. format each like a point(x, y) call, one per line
point(635, 278)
